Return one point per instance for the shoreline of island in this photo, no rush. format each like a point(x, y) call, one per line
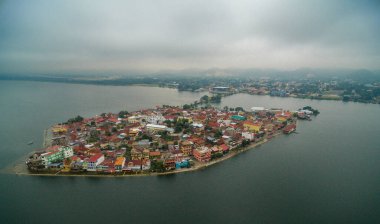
point(200, 166)
point(151, 142)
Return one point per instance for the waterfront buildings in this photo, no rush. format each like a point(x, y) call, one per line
point(155, 140)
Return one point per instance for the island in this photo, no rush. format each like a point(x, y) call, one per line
point(164, 140)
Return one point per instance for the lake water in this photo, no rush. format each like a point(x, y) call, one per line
point(327, 173)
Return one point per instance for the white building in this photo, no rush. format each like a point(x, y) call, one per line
point(197, 125)
point(66, 151)
point(156, 127)
point(256, 109)
point(248, 135)
point(155, 119)
point(94, 161)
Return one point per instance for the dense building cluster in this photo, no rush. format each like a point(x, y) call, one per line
point(155, 140)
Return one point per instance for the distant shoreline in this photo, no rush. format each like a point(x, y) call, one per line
point(117, 82)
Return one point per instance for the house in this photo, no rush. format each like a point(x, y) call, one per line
point(283, 116)
point(251, 126)
point(94, 161)
point(248, 135)
point(202, 154)
point(155, 119)
point(67, 151)
point(67, 165)
point(225, 149)
point(187, 148)
point(133, 132)
point(76, 163)
point(59, 129)
point(154, 154)
point(238, 118)
point(137, 165)
point(52, 156)
point(182, 164)
point(177, 154)
point(155, 127)
point(106, 166)
point(119, 164)
point(133, 119)
point(289, 128)
point(138, 153)
point(215, 149)
point(169, 163)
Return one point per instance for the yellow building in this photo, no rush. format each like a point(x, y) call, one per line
point(119, 163)
point(138, 153)
point(133, 119)
point(187, 148)
point(281, 119)
point(253, 127)
point(189, 119)
point(58, 129)
point(67, 165)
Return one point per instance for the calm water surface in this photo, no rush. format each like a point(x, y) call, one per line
point(328, 173)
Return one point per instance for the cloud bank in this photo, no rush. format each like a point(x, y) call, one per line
point(65, 36)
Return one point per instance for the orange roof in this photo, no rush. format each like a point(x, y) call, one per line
point(155, 153)
point(252, 123)
point(285, 114)
point(119, 161)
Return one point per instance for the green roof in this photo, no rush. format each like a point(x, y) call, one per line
point(238, 117)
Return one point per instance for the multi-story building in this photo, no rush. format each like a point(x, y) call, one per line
point(67, 151)
point(51, 157)
point(202, 154)
point(94, 161)
point(187, 148)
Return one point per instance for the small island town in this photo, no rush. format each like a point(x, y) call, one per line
point(167, 139)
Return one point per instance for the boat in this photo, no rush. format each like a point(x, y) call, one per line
point(30, 143)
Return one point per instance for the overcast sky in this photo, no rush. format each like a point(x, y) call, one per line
point(62, 36)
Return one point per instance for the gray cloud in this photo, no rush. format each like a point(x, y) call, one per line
point(64, 36)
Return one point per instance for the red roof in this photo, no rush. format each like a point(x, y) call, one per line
point(155, 153)
point(251, 123)
point(135, 162)
point(113, 119)
point(52, 148)
point(290, 127)
point(213, 124)
point(169, 117)
point(95, 158)
point(224, 147)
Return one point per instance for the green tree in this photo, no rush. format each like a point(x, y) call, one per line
point(123, 113)
point(75, 119)
point(216, 99)
point(239, 109)
point(186, 107)
point(205, 98)
point(245, 142)
point(157, 166)
point(178, 129)
point(218, 134)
